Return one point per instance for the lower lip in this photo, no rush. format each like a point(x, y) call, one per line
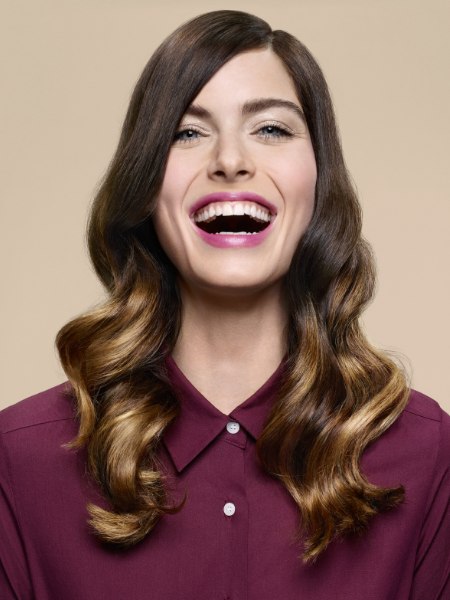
point(220, 240)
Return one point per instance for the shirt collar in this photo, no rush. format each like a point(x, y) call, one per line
point(199, 422)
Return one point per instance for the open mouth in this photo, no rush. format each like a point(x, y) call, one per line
point(233, 218)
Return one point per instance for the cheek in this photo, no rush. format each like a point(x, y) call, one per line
point(169, 236)
point(296, 179)
point(168, 223)
point(298, 188)
point(170, 199)
point(301, 173)
point(307, 187)
point(167, 226)
point(164, 221)
point(182, 167)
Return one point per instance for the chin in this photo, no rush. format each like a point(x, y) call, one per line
point(234, 285)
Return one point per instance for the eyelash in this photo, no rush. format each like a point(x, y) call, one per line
point(277, 132)
point(178, 134)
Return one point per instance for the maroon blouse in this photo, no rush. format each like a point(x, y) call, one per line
point(234, 537)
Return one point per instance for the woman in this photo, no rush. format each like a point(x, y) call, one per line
point(236, 435)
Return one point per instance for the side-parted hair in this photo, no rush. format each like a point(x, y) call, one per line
point(338, 393)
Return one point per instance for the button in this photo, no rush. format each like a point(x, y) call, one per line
point(233, 427)
point(229, 509)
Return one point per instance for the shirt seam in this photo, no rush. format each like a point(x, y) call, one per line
point(418, 414)
point(245, 457)
point(431, 499)
point(240, 445)
point(20, 427)
point(16, 505)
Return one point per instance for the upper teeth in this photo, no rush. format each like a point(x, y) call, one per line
point(228, 209)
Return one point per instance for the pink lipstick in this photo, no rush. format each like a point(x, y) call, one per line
point(233, 219)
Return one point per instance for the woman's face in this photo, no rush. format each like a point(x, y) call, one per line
point(238, 191)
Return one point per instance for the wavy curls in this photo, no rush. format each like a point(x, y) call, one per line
point(338, 393)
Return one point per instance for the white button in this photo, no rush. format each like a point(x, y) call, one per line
point(229, 509)
point(233, 427)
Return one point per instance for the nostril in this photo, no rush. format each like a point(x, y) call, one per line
point(231, 175)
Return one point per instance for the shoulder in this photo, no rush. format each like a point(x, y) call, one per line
point(415, 448)
point(54, 405)
point(431, 425)
point(423, 422)
point(424, 407)
point(427, 422)
point(34, 434)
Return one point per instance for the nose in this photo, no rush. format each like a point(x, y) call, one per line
point(230, 160)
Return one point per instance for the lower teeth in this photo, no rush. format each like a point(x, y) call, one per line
point(235, 233)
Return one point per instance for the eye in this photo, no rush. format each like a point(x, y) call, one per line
point(274, 131)
point(186, 135)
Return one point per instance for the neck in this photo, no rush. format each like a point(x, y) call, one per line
point(228, 347)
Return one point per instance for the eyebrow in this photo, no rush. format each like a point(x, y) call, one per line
point(251, 107)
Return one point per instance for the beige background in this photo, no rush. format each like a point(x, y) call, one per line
point(68, 68)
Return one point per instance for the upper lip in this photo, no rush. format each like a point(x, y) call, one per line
point(232, 197)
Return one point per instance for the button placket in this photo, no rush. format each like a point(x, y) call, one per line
point(233, 508)
point(234, 434)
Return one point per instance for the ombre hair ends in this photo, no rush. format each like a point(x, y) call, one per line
point(338, 393)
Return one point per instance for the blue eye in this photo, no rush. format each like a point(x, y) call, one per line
point(186, 135)
point(273, 131)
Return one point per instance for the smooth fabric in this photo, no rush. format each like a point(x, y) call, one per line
point(48, 553)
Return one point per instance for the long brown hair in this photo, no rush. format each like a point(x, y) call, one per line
point(338, 393)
